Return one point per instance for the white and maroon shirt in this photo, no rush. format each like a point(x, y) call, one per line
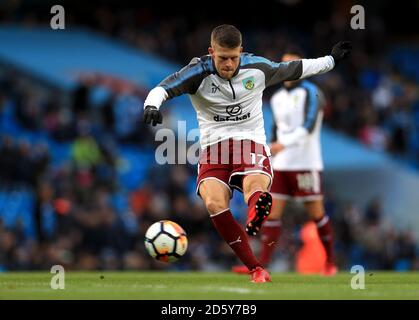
point(298, 118)
point(232, 109)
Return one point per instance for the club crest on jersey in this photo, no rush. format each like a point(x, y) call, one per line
point(249, 83)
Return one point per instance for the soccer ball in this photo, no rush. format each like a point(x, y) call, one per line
point(166, 241)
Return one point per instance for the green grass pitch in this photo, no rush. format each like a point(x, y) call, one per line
point(205, 286)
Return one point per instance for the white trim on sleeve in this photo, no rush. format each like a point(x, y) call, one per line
point(156, 97)
point(321, 65)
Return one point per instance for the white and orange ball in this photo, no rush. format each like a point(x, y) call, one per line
point(166, 241)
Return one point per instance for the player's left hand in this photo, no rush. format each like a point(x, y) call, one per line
point(152, 115)
point(341, 50)
point(276, 147)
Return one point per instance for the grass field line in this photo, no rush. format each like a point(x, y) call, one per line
point(201, 289)
point(234, 290)
point(139, 288)
point(23, 284)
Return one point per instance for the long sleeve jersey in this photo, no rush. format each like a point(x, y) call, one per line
point(298, 114)
point(232, 109)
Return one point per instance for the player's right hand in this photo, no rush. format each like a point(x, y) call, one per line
point(152, 115)
point(276, 147)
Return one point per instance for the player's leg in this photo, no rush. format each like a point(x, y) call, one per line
point(253, 176)
point(270, 233)
point(215, 194)
point(258, 199)
point(316, 212)
point(271, 230)
point(278, 206)
point(281, 192)
point(216, 197)
point(253, 183)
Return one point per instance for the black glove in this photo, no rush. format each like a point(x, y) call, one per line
point(152, 115)
point(341, 50)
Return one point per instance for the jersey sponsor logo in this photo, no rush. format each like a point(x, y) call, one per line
point(234, 110)
point(234, 114)
point(228, 118)
point(249, 83)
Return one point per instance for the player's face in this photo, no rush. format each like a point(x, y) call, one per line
point(289, 57)
point(226, 60)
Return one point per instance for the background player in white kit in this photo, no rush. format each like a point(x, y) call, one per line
point(297, 162)
point(226, 89)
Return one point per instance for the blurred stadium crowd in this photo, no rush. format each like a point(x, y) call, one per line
point(77, 220)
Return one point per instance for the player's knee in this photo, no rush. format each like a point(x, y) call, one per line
point(215, 205)
point(256, 184)
point(317, 215)
point(248, 192)
point(315, 210)
point(276, 213)
point(254, 187)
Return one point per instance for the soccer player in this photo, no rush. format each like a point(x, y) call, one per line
point(225, 88)
point(297, 162)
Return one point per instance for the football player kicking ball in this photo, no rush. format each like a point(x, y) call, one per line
point(225, 88)
point(297, 163)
